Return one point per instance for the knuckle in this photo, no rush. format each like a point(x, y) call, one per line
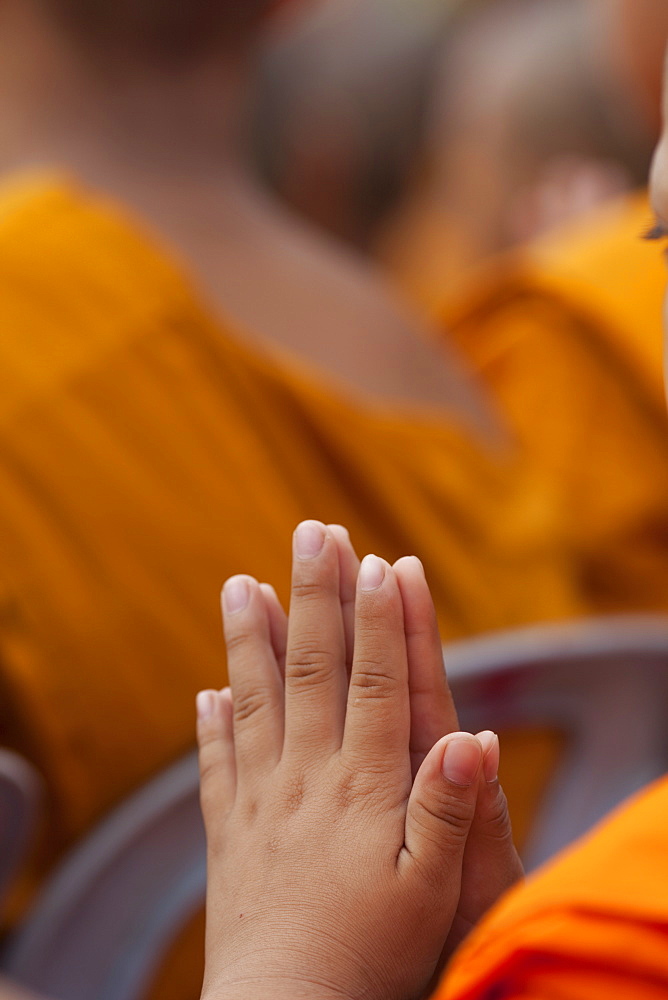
point(209, 768)
point(307, 663)
point(294, 793)
point(214, 801)
point(238, 638)
point(311, 590)
point(350, 790)
point(496, 817)
point(363, 785)
point(371, 679)
point(446, 812)
point(372, 621)
point(250, 703)
point(249, 809)
point(208, 735)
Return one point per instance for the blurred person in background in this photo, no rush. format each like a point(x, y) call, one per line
point(340, 106)
point(537, 126)
point(565, 332)
point(390, 147)
point(188, 369)
point(523, 133)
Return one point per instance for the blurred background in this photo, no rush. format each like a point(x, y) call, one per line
point(431, 135)
point(371, 261)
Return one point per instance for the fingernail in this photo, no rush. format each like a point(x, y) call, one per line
point(489, 742)
point(309, 539)
point(461, 760)
point(206, 704)
point(339, 527)
point(372, 573)
point(236, 594)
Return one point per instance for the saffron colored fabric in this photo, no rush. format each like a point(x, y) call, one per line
point(592, 925)
point(566, 334)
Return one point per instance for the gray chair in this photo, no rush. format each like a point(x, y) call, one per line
point(602, 682)
point(111, 910)
point(108, 915)
point(20, 791)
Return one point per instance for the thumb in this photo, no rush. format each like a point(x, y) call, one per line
point(441, 809)
point(491, 825)
point(491, 863)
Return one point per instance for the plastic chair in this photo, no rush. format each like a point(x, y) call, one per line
point(109, 914)
point(603, 682)
point(20, 789)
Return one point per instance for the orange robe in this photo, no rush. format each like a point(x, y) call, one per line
point(592, 925)
point(146, 453)
point(566, 334)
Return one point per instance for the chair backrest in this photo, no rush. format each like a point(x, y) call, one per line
point(603, 682)
point(109, 914)
point(20, 792)
point(111, 910)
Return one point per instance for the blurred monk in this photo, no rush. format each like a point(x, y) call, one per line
point(336, 137)
point(186, 372)
point(523, 132)
point(565, 333)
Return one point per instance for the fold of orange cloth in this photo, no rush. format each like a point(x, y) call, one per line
point(146, 453)
point(566, 334)
point(591, 925)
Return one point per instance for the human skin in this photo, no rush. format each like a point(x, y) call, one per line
point(354, 835)
point(159, 128)
point(659, 192)
point(631, 36)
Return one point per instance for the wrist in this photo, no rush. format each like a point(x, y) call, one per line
point(274, 988)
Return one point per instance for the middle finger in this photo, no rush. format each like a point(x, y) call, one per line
point(315, 675)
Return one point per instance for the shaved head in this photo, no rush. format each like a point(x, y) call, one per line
point(171, 29)
point(636, 32)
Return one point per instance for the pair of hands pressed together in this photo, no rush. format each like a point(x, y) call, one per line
point(354, 836)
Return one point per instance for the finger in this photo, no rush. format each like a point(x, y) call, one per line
point(257, 690)
point(439, 815)
point(349, 566)
point(378, 715)
point(278, 624)
point(215, 740)
point(491, 863)
point(315, 676)
point(433, 712)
